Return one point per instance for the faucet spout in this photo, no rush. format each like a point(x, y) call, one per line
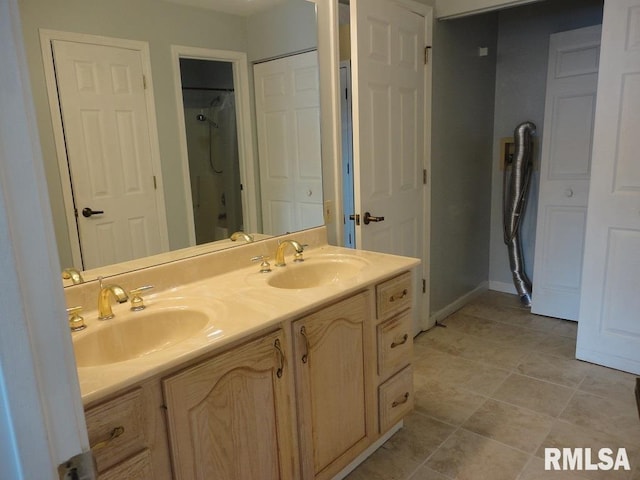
point(281, 248)
point(104, 302)
point(72, 274)
point(238, 235)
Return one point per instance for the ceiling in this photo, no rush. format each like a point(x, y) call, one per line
point(235, 7)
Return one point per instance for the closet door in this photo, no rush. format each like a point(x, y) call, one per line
point(288, 116)
point(609, 329)
point(572, 81)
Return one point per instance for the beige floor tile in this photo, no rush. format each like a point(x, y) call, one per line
point(515, 336)
point(536, 395)
point(563, 371)
point(457, 371)
point(609, 383)
point(445, 402)
point(557, 346)
point(568, 435)
point(604, 415)
point(535, 471)
point(403, 453)
point(566, 328)
point(425, 473)
point(511, 425)
point(490, 352)
point(468, 456)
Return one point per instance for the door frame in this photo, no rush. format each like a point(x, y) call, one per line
point(41, 413)
point(46, 37)
point(244, 128)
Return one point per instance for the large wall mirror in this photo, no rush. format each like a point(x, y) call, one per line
point(215, 118)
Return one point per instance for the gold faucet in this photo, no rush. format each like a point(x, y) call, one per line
point(280, 252)
point(245, 236)
point(72, 274)
point(104, 303)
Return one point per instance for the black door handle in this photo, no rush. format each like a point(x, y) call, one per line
point(370, 218)
point(87, 212)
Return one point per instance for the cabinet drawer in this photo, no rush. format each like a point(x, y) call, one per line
point(395, 344)
point(107, 420)
point(395, 397)
point(393, 296)
point(135, 468)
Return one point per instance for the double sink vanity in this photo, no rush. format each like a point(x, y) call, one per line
point(232, 373)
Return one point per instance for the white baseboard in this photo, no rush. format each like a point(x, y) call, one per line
point(502, 287)
point(459, 303)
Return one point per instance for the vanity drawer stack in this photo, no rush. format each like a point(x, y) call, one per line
point(394, 299)
point(117, 435)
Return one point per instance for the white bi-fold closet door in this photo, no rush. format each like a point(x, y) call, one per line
point(572, 82)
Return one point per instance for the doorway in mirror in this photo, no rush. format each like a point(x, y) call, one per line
point(208, 97)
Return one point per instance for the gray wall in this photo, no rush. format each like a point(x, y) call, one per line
point(523, 49)
point(287, 28)
point(462, 130)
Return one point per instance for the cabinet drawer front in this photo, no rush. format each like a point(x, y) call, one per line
point(394, 295)
point(125, 412)
point(395, 398)
point(395, 344)
point(135, 468)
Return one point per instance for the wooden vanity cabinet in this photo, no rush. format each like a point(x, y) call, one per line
point(127, 435)
point(332, 357)
point(233, 415)
point(229, 417)
point(394, 335)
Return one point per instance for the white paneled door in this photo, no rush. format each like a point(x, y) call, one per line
point(388, 72)
point(288, 116)
point(572, 81)
point(119, 211)
point(609, 328)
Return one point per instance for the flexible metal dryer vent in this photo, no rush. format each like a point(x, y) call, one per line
point(516, 179)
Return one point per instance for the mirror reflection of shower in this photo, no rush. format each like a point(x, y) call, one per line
point(212, 144)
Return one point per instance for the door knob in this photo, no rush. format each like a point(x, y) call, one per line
point(87, 212)
point(370, 218)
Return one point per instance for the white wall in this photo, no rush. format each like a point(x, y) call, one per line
point(523, 46)
point(462, 132)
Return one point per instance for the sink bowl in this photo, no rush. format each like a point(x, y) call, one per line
point(316, 272)
point(137, 335)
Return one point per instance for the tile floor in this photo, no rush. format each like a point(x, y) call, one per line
point(497, 386)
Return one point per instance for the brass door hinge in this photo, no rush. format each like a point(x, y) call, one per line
point(426, 54)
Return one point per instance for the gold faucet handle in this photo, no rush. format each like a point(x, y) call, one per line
point(76, 322)
point(298, 255)
point(265, 266)
point(137, 303)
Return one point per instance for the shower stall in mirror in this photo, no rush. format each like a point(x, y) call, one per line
point(212, 144)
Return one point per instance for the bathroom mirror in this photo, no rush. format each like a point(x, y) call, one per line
point(264, 30)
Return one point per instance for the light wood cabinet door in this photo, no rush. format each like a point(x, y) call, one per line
point(332, 380)
point(229, 417)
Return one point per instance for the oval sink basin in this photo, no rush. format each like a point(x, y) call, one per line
point(316, 272)
point(141, 333)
